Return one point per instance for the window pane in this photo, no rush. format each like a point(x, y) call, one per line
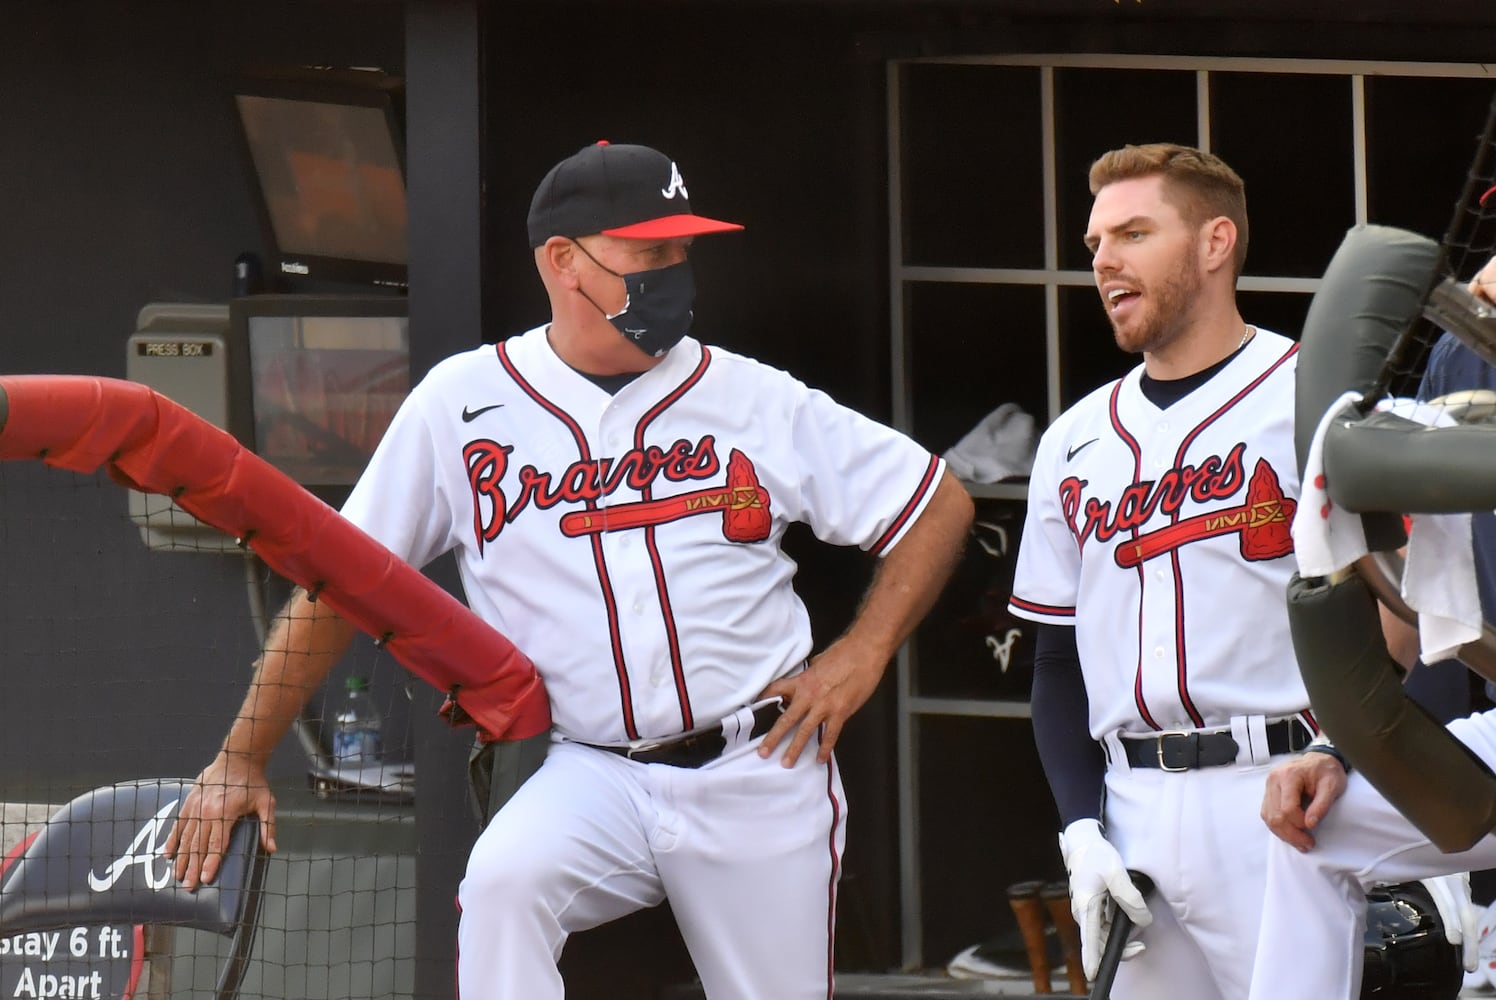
point(972, 162)
point(1280, 312)
point(969, 646)
point(1297, 165)
point(1101, 109)
point(982, 795)
point(1089, 355)
point(971, 349)
point(1421, 138)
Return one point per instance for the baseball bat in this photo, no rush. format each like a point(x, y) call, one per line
point(1116, 941)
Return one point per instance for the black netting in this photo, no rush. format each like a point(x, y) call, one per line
point(1467, 245)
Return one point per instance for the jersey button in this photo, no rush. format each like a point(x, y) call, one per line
point(1158, 652)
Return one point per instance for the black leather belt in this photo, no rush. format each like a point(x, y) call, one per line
point(1187, 751)
point(700, 747)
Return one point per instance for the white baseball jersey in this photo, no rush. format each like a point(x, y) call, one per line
point(630, 543)
point(1163, 537)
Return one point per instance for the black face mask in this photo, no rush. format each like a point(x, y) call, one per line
point(657, 312)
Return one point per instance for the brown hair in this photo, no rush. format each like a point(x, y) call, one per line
point(1201, 185)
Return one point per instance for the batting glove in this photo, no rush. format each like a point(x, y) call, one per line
point(1461, 920)
point(1097, 874)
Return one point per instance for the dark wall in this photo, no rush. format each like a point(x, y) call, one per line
point(444, 95)
point(776, 121)
point(121, 186)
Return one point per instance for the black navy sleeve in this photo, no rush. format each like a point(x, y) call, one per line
point(1435, 380)
point(1073, 762)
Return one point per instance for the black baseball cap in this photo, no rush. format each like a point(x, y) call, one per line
point(616, 190)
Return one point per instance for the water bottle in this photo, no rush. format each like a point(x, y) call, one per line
point(358, 740)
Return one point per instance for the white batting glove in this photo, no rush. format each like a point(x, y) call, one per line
point(1097, 875)
point(1461, 920)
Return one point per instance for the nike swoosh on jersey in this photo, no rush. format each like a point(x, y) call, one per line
point(1079, 448)
point(468, 416)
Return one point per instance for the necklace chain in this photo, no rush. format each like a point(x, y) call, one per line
point(1246, 335)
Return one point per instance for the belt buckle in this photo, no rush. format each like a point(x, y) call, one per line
point(649, 747)
point(1158, 749)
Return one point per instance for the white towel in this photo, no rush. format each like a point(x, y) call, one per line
point(1325, 538)
point(1001, 446)
point(1439, 567)
point(1439, 583)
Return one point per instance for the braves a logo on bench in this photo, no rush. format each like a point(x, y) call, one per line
point(144, 850)
point(1262, 521)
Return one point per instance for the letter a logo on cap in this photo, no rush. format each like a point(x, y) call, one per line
point(676, 186)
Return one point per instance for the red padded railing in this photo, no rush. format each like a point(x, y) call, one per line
point(149, 443)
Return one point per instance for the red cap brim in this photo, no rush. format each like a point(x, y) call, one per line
point(1486, 198)
point(669, 227)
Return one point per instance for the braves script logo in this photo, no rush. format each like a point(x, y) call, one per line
point(1263, 521)
point(743, 502)
point(144, 850)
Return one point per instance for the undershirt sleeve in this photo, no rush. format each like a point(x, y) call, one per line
point(1073, 762)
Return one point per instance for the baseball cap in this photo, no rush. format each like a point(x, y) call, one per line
point(616, 190)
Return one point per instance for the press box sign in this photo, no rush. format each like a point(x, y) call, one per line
point(174, 348)
point(96, 962)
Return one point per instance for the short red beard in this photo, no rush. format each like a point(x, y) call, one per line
point(1170, 310)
